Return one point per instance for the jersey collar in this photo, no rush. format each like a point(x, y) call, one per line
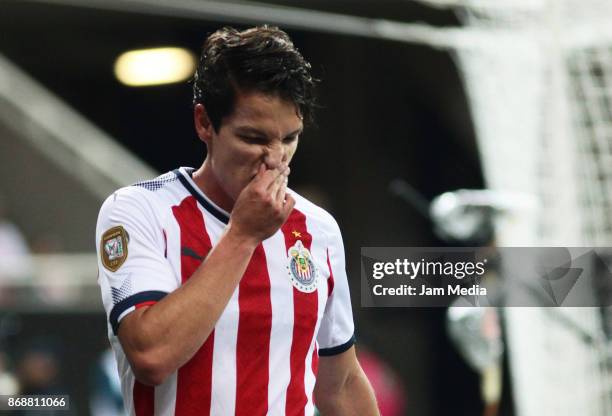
point(184, 175)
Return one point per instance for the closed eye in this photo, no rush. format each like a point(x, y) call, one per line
point(253, 139)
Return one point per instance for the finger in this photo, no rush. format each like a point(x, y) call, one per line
point(278, 176)
point(260, 174)
point(282, 190)
point(276, 185)
point(266, 177)
point(277, 179)
point(289, 204)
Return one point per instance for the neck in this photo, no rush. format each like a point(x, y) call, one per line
point(209, 184)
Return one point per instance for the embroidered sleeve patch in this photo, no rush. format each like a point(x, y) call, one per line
point(114, 248)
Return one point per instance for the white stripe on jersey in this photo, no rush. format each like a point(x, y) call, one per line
point(281, 297)
point(165, 396)
point(318, 250)
point(125, 374)
point(225, 341)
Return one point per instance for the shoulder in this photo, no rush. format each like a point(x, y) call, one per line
point(317, 216)
point(141, 202)
point(129, 200)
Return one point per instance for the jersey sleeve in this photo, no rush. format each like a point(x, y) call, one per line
point(132, 267)
point(337, 331)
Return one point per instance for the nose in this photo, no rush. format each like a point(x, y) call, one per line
point(275, 155)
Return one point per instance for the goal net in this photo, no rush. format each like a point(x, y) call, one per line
point(538, 74)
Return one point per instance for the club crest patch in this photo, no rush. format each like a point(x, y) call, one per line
point(301, 268)
point(114, 248)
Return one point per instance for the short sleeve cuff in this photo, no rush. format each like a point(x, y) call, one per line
point(128, 304)
point(326, 352)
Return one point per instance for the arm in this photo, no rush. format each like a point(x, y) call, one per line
point(161, 338)
point(342, 388)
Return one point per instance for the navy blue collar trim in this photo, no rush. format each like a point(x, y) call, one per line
point(206, 204)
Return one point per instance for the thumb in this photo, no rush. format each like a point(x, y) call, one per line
point(289, 204)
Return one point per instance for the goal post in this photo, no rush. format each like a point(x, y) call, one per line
point(539, 82)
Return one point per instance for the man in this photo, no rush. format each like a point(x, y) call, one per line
point(226, 292)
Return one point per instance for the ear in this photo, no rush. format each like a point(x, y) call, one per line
point(203, 126)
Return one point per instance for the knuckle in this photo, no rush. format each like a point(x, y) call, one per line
point(267, 199)
point(260, 194)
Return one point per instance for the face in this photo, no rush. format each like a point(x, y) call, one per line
point(262, 129)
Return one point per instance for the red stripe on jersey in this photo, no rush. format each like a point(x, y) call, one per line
point(315, 361)
point(143, 399)
point(330, 279)
point(305, 310)
point(253, 344)
point(194, 238)
point(147, 303)
point(194, 381)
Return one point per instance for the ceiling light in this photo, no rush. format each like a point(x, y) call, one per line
point(143, 67)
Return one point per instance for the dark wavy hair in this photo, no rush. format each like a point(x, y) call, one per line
point(261, 59)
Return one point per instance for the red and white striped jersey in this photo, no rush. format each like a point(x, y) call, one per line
point(291, 306)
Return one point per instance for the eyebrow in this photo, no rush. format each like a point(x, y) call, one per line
point(256, 132)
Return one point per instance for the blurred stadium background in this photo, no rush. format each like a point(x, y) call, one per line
point(441, 95)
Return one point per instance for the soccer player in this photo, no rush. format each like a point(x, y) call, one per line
point(226, 292)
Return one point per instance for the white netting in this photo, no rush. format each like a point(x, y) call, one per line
point(539, 79)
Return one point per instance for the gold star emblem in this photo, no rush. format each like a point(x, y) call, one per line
point(296, 234)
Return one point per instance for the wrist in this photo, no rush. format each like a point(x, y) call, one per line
point(240, 241)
